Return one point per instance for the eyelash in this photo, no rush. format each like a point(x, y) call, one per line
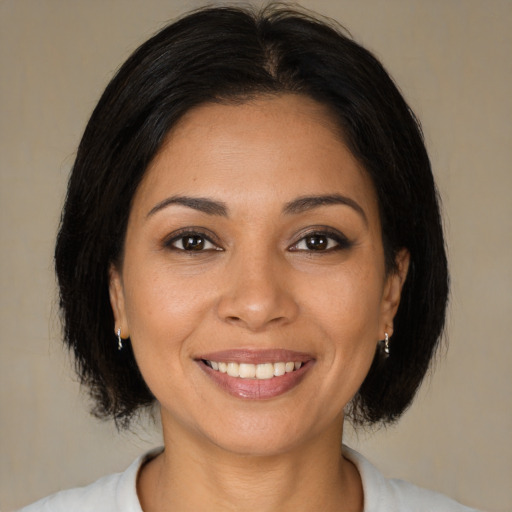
point(341, 242)
point(190, 233)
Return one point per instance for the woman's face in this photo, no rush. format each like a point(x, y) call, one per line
point(253, 243)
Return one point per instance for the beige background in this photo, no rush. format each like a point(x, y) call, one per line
point(452, 59)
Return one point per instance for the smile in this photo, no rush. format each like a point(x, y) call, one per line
point(256, 374)
point(261, 371)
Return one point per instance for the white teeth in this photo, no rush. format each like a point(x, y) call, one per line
point(247, 371)
point(279, 369)
point(255, 371)
point(264, 371)
point(233, 370)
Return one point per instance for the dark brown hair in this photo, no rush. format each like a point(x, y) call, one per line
point(229, 55)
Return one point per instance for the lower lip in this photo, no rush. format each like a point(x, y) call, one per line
point(257, 389)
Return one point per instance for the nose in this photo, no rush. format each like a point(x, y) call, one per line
point(257, 293)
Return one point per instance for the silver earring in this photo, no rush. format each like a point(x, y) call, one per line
point(119, 340)
point(386, 344)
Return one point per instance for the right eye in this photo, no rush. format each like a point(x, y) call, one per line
point(191, 242)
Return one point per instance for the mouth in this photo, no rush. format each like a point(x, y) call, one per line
point(256, 375)
point(262, 371)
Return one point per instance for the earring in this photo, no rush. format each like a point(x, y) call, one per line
point(119, 340)
point(386, 344)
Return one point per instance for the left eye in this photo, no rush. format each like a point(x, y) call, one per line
point(317, 242)
point(192, 242)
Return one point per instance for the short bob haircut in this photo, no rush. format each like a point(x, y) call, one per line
point(230, 55)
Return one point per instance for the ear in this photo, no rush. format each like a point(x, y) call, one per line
point(116, 292)
point(393, 291)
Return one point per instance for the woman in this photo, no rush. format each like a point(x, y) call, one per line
point(252, 240)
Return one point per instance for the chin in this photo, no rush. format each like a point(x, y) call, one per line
point(268, 433)
point(257, 444)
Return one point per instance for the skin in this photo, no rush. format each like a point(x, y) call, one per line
point(257, 284)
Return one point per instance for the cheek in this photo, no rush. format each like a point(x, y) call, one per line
point(163, 314)
point(348, 312)
point(163, 309)
point(350, 302)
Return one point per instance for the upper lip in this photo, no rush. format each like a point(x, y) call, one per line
point(256, 356)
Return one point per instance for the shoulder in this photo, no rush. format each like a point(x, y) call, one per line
point(112, 493)
point(387, 495)
point(99, 496)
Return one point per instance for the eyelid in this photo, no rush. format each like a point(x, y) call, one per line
point(341, 240)
point(191, 231)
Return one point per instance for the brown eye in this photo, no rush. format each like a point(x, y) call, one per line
point(191, 242)
point(321, 242)
point(317, 242)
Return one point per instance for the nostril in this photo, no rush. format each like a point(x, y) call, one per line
point(256, 311)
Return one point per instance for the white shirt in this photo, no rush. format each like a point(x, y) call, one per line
point(118, 493)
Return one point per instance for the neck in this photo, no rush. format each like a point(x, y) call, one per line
point(193, 472)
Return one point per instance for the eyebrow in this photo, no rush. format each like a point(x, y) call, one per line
point(306, 203)
point(202, 204)
point(297, 206)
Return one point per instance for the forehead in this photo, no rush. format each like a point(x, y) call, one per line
point(272, 148)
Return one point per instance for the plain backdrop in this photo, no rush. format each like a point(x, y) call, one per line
point(452, 60)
